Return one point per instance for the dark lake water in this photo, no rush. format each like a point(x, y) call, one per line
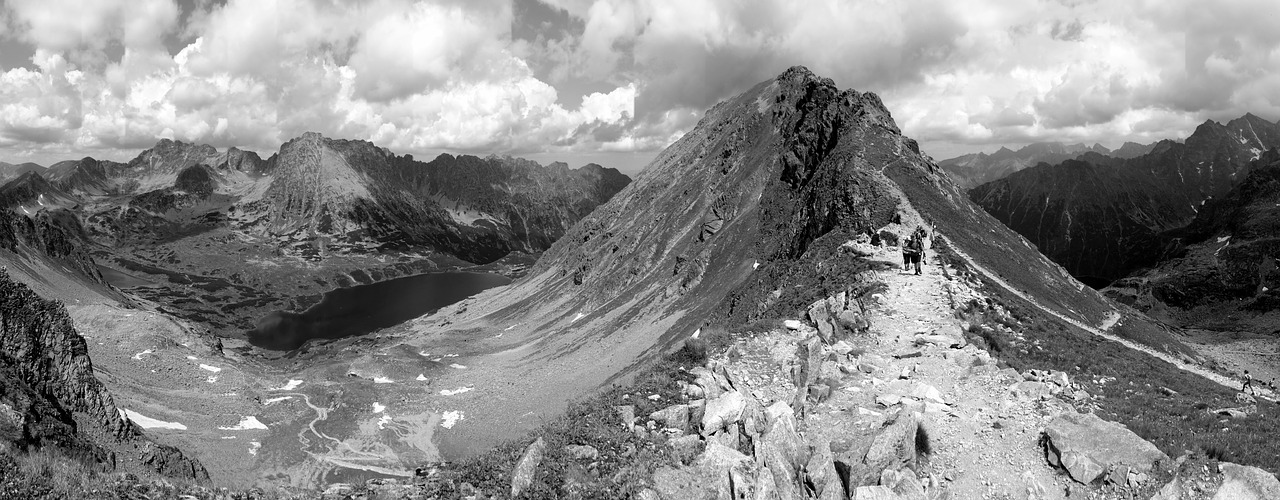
point(362, 309)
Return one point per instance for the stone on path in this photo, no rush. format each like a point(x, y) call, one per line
point(861, 460)
point(582, 452)
point(522, 476)
point(1087, 446)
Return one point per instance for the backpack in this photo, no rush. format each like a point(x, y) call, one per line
point(914, 245)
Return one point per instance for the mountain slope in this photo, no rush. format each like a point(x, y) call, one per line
point(1099, 216)
point(52, 398)
point(743, 218)
point(1222, 272)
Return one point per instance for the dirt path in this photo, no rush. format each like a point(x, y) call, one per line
point(1103, 330)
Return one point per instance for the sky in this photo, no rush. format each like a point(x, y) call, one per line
point(613, 81)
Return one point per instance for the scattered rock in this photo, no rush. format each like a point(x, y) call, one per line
point(1087, 446)
point(793, 324)
point(626, 413)
point(871, 363)
point(862, 459)
point(1245, 399)
point(1030, 391)
point(522, 476)
point(673, 417)
point(582, 452)
point(1059, 378)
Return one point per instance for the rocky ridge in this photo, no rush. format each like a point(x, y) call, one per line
point(1127, 202)
point(52, 399)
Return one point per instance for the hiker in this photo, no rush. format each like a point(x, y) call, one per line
point(1248, 384)
point(914, 250)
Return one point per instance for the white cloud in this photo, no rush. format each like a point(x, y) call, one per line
point(420, 76)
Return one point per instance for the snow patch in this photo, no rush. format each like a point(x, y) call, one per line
point(212, 379)
point(378, 408)
point(192, 358)
point(293, 384)
point(382, 422)
point(228, 437)
point(213, 369)
point(421, 377)
point(383, 380)
point(755, 265)
point(578, 317)
point(507, 329)
point(146, 422)
point(246, 424)
point(277, 400)
point(1223, 238)
point(456, 366)
point(450, 419)
point(253, 447)
point(138, 356)
point(450, 392)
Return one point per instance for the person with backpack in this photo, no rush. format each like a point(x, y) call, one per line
point(914, 249)
point(1248, 383)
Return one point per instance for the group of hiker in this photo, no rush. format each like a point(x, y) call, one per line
point(913, 250)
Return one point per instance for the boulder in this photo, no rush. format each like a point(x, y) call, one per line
point(822, 472)
point(861, 460)
point(1245, 399)
point(926, 392)
point(522, 475)
point(821, 317)
point(904, 483)
point(874, 493)
point(1241, 482)
point(702, 377)
point(723, 411)
point(1060, 379)
point(793, 324)
point(852, 321)
point(1087, 446)
point(672, 417)
point(1030, 391)
point(626, 413)
point(782, 450)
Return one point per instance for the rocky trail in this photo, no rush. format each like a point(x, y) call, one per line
point(885, 400)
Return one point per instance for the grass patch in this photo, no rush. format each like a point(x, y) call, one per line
point(1127, 383)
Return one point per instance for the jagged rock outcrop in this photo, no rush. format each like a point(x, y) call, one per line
point(1220, 269)
point(1088, 447)
point(49, 384)
point(1101, 217)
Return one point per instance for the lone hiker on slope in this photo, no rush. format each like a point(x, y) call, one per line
point(914, 249)
point(1248, 384)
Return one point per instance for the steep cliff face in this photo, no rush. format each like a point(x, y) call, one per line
point(51, 397)
point(1100, 216)
point(1221, 272)
point(743, 218)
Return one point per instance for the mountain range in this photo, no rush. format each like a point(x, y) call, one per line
point(1220, 272)
point(980, 168)
point(1100, 217)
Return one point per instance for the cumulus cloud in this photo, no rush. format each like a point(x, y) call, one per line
point(574, 76)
